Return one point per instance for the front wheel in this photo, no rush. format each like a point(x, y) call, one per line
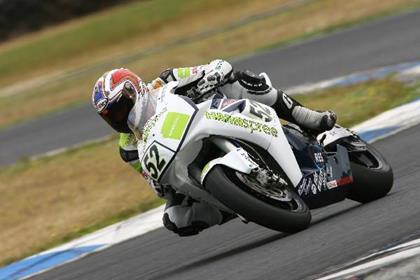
point(278, 210)
point(372, 175)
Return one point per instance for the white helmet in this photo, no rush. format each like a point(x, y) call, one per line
point(114, 96)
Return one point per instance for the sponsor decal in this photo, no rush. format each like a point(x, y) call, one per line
point(151, 123)
point(332, 184)
point(313, 188)
point(319, 157)
point(253, 126)
point(174, 125)
point(304, 187)
point(320, 180)
point(340, 182)
point(315, 183)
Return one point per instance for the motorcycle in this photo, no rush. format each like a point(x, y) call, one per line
point(237, 156)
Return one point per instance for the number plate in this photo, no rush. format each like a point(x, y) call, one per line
point(155, 160)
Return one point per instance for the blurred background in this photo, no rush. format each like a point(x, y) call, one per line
point(60, 171)
point(24, 16)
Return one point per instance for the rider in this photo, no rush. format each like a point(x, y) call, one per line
point(125, 102)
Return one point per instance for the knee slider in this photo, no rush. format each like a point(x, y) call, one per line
point(253, 83)
point(192, 229)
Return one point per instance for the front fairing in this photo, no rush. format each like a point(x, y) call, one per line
point(171, 135)
point(250, 121)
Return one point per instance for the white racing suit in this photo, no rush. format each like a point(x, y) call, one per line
point(184, 215)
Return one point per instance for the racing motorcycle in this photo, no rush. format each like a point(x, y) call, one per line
point(237, 156)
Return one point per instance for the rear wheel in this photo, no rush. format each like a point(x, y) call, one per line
point(277, 207)
point(372, 175)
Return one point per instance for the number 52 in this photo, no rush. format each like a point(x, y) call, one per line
point(153, 163)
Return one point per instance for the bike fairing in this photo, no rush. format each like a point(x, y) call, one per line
point(158, 156)
point(166, 159)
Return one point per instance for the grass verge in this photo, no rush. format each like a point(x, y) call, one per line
point(51, 200)
point(196, 34)
point(359, 102)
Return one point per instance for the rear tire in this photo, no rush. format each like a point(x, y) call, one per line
point(370, 183)
point(233, 194)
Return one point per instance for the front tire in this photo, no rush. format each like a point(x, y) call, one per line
point(372, 175)
point(230, 191)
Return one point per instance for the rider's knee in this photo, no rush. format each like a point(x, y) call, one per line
point(254, 83)
point(256, 87)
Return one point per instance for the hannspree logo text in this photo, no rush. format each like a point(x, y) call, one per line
point(245, 123)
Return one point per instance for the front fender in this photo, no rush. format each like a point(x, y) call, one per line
point(237, 159)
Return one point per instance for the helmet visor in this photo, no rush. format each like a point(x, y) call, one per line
point(116, 113)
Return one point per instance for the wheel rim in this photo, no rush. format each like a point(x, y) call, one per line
point(279, 196)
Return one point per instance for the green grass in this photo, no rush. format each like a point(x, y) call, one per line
point(356, 103)
point(58, 198)
point(121, 216)
point(87, 36)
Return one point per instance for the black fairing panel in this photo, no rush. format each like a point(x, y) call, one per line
point(313, 161)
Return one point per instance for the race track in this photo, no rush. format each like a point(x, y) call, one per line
point(383, 42)
point(338, 234)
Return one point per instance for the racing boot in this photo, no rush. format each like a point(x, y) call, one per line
point(311, 121)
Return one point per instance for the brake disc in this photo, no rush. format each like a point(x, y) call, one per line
point(266, 183)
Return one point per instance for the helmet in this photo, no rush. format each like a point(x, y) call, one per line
point(114, 96)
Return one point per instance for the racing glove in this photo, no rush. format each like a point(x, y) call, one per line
point(216, 74)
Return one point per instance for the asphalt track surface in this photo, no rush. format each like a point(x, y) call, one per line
point(379, 43)
point(339, 233)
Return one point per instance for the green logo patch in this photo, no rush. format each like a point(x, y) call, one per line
point(174, 125)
